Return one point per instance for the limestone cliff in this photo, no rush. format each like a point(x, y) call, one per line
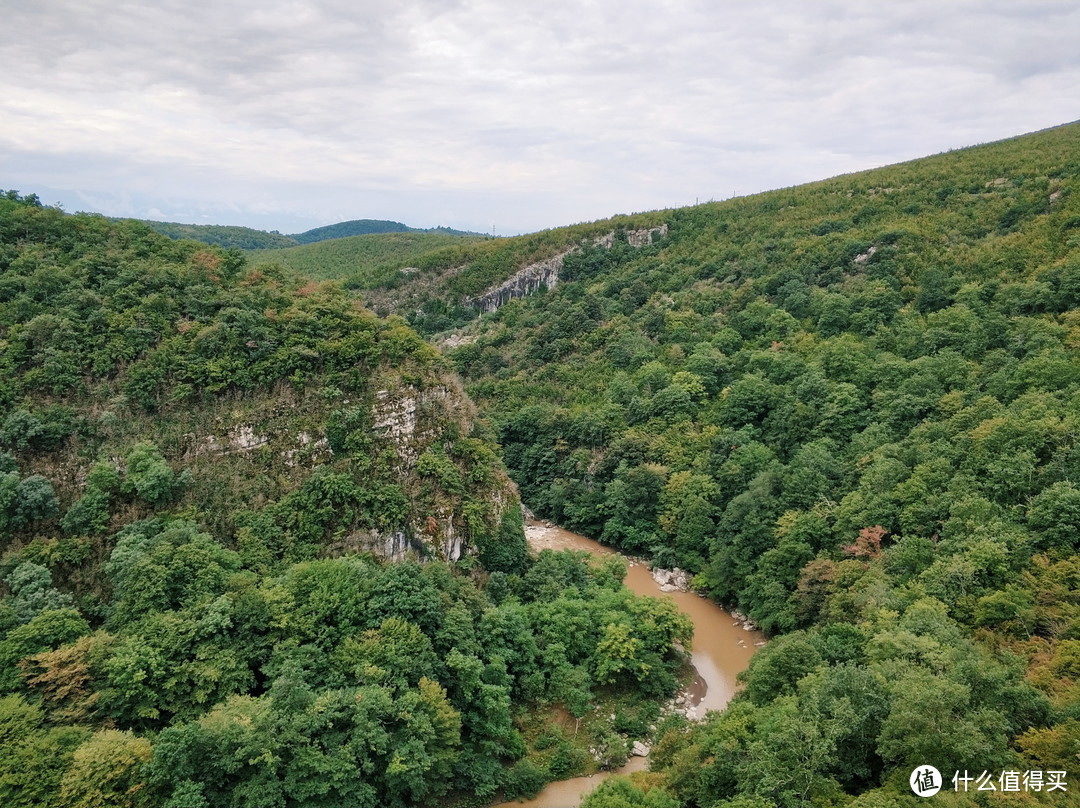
point(172, 381)
point(545, 273)
point(524, 282)
point(419, 430)
point(269, 467)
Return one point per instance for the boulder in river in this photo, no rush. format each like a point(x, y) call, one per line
point(673, 580)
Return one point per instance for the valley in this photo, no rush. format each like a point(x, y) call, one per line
point(261, 532)
point(722, 649)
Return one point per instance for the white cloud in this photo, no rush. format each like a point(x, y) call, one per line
point(535, 114)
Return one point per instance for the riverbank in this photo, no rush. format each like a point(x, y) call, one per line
point(722, 647)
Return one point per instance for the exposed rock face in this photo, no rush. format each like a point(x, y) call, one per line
point(399, 416)
point(862, 258)
point(639, 238)
point(523, 282)
point(395, 418)
point(412, 421)
point(457, 340)
point(408, 415)
point(395, 546)
point(545, 273)
point(635, 238)
point(399, 545)
point(240, 438)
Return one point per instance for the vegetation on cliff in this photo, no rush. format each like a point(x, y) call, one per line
point(256, 548)
point(851, 409)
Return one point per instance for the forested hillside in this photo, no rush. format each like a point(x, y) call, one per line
point(361, 261)
point(249, 238)
point(364, 227)
point(228, 236)
point(851, 409)
point(257, 550)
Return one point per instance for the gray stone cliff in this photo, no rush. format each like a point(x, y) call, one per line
point(545, 273)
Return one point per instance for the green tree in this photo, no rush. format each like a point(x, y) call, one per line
point(107, 769)
point(1055, 514)
point(956, 734)
point(488, 735)
point(87, 515)
point(157, 566)
point(46, 631)
point(36, 498)
point(35, 757)
point(776, 669)
point(618, 792)
point(789, 758)
point(32, 591)
point(397, 654)
point(147, 474)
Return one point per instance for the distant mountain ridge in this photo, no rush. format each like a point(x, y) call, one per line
point(227, 236)
point(250, 238)
point(363, 227)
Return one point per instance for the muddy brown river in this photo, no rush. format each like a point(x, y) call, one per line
point(722, 648)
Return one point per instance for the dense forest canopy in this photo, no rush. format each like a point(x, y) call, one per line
point(362, 260)
point(852, 409)
point(258, 551)
point(364, 227)
point(849, 409)
point(228, 236)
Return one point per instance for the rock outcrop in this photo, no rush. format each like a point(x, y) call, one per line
point(272, 444)
point(545, 273)
point(524, 282)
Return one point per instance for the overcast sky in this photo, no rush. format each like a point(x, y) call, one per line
point(519, 114)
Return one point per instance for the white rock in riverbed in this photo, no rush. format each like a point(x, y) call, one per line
point(673, 580)
point(744, 621)
point(639, 749)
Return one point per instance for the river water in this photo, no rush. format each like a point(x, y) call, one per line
point(722, 648)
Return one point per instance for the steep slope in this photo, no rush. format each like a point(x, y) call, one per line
point(438, 285)
point(251, 390)
point(851, 409)
point(361, 261)
point(217, 483)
